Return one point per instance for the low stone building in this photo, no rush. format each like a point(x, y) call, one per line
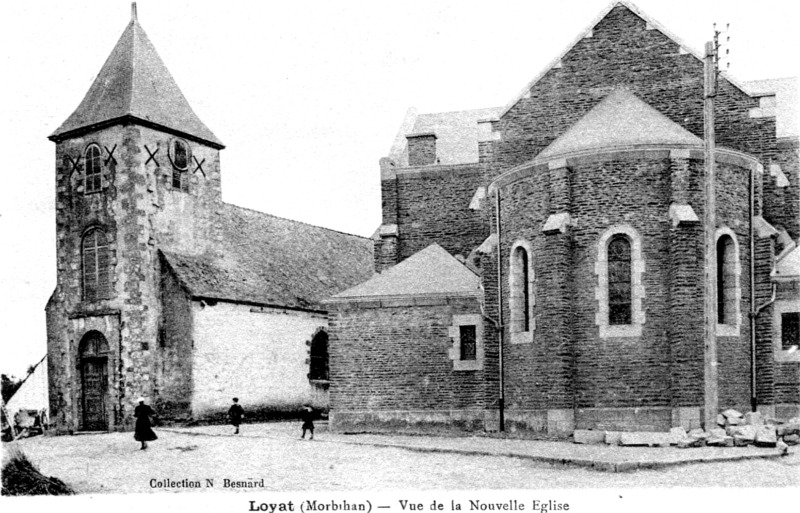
point(580, 205)
point(163, 289)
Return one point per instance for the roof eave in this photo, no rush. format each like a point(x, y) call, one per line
point(130, 119)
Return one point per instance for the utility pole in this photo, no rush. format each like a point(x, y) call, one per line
point(711, 403)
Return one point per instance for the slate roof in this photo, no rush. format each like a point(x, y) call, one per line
point(786, 98)
point(456, 135)
point(269, 260)
point(788, 267)
point(620, 120)
point(430, 272)
point(134, 84)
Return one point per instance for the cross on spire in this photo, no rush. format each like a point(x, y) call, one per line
point(133, 12)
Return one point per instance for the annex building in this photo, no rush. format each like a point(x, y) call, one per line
point(165, 291)
point(545, 260)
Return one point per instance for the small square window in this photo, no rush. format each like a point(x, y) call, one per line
point(468, 342)
point(790, 330)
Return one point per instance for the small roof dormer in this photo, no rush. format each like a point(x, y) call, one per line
point(135, 86)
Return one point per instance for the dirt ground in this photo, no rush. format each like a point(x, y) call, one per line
point(113, 463)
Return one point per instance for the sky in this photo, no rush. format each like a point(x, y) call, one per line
point(306, 96)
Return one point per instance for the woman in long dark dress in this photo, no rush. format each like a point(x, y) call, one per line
point(143, 431)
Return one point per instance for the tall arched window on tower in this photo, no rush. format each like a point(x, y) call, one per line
point(619, 280)
point(96, 268)
point(179, 157)
point(93, 166)
point(727, 283)
point(521, 293)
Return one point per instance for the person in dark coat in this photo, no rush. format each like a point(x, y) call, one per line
point(236, 412)
point(143, 431)
point(308, 421)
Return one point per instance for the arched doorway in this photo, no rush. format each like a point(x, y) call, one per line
point(318, 370)
point(93, 357)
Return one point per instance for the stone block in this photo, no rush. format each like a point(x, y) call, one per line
point(743, 432)
point(650, 439)
point(766, 436)
point(734, 421)
point(588, 436)
point(720, 441)
point(753, 418)
point(612, 437)
point(717, 433)
point(788, 429)
point(697, 434)
point(792, 439)
point(731, 413)
point(677, 435)
point(687, 443)
point(720, 420)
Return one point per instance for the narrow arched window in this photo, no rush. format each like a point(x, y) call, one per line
point(726, 280)
point(179, 156)
point(619, 280)
point(525, 298)
point(93, 169)
point(521, 293)
point(318, 363)
point(95, 259)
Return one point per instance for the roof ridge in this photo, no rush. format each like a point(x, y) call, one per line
point(133, 25)
point(294, 221)
point(459, 111)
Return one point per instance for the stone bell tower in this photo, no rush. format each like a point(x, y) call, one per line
point(136, 172)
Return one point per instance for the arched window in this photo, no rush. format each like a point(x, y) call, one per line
point(179, 156)
point(521, 298)
point(318, 363)
point(619, 280)
point(620, 289)
point(728, 287)
point(94, 170)
point(95, 259)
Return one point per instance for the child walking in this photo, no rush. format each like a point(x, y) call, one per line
point(236, 412)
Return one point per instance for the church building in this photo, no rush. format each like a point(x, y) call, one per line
point(165, 291)
point(541, 265)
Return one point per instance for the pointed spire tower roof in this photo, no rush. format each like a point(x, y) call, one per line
point(134, 85)
point(620, 120)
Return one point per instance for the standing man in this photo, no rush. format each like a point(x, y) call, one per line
point(308, 421)
point(236, 413)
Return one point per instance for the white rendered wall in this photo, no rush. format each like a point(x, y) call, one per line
point(260, 357)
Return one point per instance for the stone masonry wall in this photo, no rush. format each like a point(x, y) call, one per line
point(663, 366)
point(782, 203)
point(623, 52)
point(433, 206)
point(175, 346)
point(395, 359)
point(136, 208)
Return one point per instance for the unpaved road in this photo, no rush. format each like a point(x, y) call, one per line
point(113, 463)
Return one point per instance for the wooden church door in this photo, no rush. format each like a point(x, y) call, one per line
point(94, 381)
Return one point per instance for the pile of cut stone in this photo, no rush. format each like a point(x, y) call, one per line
point(734, 430)
point(737, 430)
